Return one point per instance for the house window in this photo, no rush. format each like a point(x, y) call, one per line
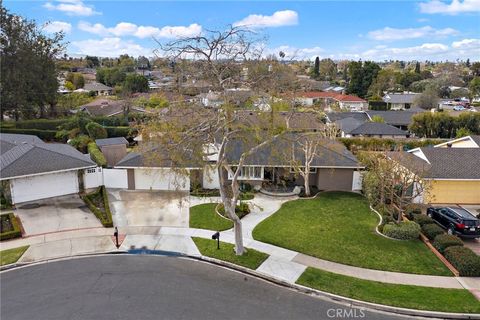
point(312, 170)
point(248, 173)
point(93, 170)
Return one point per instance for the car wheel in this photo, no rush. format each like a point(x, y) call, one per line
point(450, 230)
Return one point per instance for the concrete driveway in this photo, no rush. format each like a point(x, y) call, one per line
point(149, 208)
point(55, 214)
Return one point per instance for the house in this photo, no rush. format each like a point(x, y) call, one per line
point(399, 101)
point(109, 108)
point(472, 141)
point(210, 99)
point(114, 149)
point(397, 118)
point(31, 169)
point(329, 99)
point(377, 130)
point(98, 88)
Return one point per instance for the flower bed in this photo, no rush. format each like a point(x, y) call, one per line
point(9, 227)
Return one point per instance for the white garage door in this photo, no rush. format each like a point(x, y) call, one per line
point(160, 179)
point(44, 186)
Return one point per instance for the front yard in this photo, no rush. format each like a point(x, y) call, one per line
point(340, 227)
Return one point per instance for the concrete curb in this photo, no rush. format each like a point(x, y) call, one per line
point(348, 302)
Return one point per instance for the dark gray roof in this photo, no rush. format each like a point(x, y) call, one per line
point(377, 128)
point(10, 140)
point(28, 159)
point(453, 163)
point(395, 118)
point(348, 124)
point(399, 97)
point(96, 86)
point(335, 116)
point(111, 141)
point(476, 139)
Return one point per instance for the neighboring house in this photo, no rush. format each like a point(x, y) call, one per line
point(98, 88)
point(210, 99)
point(451, 174)
point(335, 116)
point(337, 89)
point(472, 141)
point(37, 170)
point(114, 149)
point(399, 101)
point(329, 99)
point(377, 130)
point(109, 108)
point(397, 118)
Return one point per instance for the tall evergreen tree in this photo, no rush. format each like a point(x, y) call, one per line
point(417, 67)
point(316, 69)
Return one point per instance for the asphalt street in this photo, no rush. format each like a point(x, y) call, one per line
point(141, 287)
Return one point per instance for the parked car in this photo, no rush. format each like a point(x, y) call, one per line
point(459, 108)
point(456, 220)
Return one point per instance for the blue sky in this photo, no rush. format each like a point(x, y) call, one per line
point(378, 30)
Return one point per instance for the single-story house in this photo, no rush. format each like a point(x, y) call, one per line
point(397, 118)
point(370, 129)
point(109, 108)
point(472, 141)
point(344, 101)
point(452, 175)
point(399, 101)
point(114, 149)
point(31, 169)
point(99, 88)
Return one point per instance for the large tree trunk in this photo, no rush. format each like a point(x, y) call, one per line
point(237, 228)
point(306, 179)
point(53, 110)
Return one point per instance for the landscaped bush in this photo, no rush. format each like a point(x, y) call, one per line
point(241, 210)
point(98, 204)
point(443, 241)
point(464, 260)
point(205, 192)
point(96, 155)
point(382, 144)
point(405, 230)
point(422, 219)
point(96, 131)
point(386, 218)
point(48, 135)
point(120, 132)
point(80, 143)
point(110, 121)
point(432, 230)
point(410, 212)
point(9, 227)
point(40, 124)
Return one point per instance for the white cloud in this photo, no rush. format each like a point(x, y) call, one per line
point(278, 19)
point(455, 7)
point(296, 53)
point(57, 26)
point(72, 8)
point(466, 44)
point(426, 49)
point(109, 47)
point(130, 29)
point(391, 34)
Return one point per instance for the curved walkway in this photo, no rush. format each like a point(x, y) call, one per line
point(283, 264)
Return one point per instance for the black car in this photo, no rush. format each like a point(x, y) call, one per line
point(456, 220)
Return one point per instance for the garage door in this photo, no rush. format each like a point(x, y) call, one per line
point(44, 186)
point(458, 192)
point(160, 179)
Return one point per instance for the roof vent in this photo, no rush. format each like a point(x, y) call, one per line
point(449, 145)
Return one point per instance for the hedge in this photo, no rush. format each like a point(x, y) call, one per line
point(15, 233)
point(110, 121)
point(464, 260)
point(96, 155)
point(444, 241)
point(405, 230)
point(120, 131)
point(42, 134)
point(431, 230)
point(382, 144)
point(104, 217)
point(41, 124)
point(96, 131)
point(422, 219)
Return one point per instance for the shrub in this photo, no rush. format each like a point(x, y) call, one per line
point(96, 131)
point(386, 218)
point(80, 142)
point(411, 212)
point(16, 232)
point(96, 155)
point(422, 219)
point(110, 121)
point(40, 124)
point(95, 205)
point(464, 260)
point(431, 230)
point(48, 135)
point(405, 230)
point(443, 241)
point(241, 210)
point(120, 132)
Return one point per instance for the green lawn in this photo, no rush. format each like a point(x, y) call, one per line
point(340, 227)
point(405, 296)
point(11, 255)
point(252, 259)
point(203, 216)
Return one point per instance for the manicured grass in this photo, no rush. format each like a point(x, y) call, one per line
point(11, 255)
point(251, 259)
point(340, 227)
point(203, 216)
point(405, 296)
